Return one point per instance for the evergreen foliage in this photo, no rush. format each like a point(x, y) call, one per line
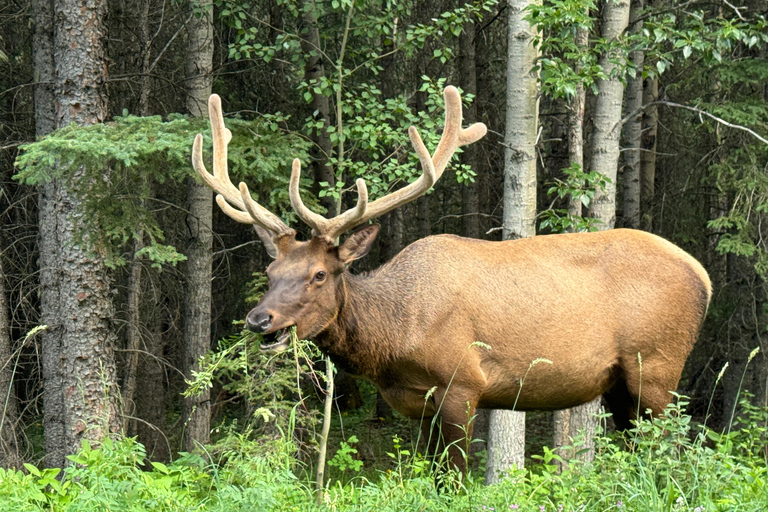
point(671, 465)
point(113, 168)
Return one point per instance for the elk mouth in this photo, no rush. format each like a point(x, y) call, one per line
point(277, 341)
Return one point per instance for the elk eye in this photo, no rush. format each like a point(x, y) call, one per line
point(320, 276)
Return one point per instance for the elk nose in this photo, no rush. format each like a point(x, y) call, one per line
point(258, 322)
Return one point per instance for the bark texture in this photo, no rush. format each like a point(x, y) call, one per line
point(314, 70)
point(197, 299)
point(576, 125)
point(633, 128)
point(506, 429)
point(470, 204)
point(650, 125)
point(605, 160)
point(78, 348)
point(607, 128)
point(45, 122)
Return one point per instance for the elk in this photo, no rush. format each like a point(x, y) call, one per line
point(615, 312)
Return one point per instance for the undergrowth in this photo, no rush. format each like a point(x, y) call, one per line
point(670, 464)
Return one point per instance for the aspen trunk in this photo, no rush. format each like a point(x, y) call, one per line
point(197, 299)
point(605, 160)
point(561, 420)
point(576, 123)
point(633, 128)
point(605, 145)
point(506, 429)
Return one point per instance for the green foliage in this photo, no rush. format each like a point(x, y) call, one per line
point(668, 465)
point(369, 132)
point(343, 459)
point(577, 185)
point(113, 168)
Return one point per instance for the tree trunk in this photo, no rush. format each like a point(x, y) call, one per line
point(561, 420)
point(605, 160)
point(9, 411)
point(470, 205)
point(650, 125)
point(45, 122)
point(605, 145)
point(506, 439)
point(78, 348)
point(576, 124)
point(314, 70)
point(634, 128)
point(150, 399)
point(197, 299)
point(132, 341)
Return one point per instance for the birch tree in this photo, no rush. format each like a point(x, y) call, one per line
point(506, 429)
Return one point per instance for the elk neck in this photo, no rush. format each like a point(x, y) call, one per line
point(363, 338)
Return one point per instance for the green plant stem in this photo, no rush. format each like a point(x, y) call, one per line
point(326, 428)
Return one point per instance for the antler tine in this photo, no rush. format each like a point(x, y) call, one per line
point(237, 204)
point(310, 218)
point(432, 166)
point(329, 228)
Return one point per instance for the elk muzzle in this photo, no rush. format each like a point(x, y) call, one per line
point(262, 322)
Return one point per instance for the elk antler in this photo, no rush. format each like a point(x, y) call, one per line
point(432, 166)
point(244, 209)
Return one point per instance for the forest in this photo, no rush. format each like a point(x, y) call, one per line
point(130, 378)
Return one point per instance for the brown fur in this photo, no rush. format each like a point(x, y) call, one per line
point(590, 303)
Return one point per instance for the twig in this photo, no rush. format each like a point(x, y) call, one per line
point(735, 9)
point(692, 109)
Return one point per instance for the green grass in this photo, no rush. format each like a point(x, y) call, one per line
point(666, 465)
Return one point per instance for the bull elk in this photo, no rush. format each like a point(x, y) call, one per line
point(412, 324)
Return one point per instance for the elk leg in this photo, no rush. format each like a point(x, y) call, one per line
point(450, 429)
point(621, 404)
point(651, 386)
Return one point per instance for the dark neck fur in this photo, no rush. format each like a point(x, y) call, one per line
point(362, 339)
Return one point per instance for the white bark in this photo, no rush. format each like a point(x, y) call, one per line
point(607, 128)
point(506, 429)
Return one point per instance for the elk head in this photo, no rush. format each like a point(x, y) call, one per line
point(305, 276)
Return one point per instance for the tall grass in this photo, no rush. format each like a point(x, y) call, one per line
point(670, 464)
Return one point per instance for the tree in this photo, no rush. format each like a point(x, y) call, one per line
point(78, 347)
point(470, 202)
point(197, 300)
point(633, 126)
point(605, 161)
point(506, 438)
point(607, 122)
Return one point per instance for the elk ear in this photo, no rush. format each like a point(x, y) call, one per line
point(266, 239)
point(358, 244)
